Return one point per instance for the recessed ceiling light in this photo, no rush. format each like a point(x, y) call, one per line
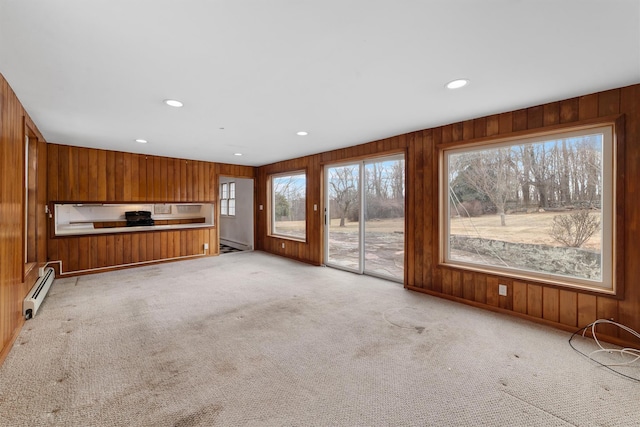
point(173, 103)
point(302, 133)
point(457, 84)
point(142, 141)
point(237, 154)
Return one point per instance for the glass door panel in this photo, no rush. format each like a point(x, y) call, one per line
point(342, 213)
point(384, 190)
point(364, 217)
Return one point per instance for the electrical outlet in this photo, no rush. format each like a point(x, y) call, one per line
point(206, 246)
point(502, 290)
point(283, 246)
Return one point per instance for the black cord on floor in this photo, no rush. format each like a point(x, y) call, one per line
point(581, 331)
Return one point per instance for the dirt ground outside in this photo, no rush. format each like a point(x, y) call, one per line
point(384, 242)
point(384, 238)
point(521, 228)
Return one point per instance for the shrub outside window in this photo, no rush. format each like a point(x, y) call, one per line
point(538, 207)
point(288, 205)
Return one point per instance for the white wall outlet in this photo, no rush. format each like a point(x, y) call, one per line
point(260, 207)
point(502, 290)
point(283, 246)
point(206, 246)
point(315, 207)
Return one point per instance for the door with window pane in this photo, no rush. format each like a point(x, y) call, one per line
point(383, 217)
point(342, 219)
point(364, 217)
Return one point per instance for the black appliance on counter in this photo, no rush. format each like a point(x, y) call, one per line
point(136, 218)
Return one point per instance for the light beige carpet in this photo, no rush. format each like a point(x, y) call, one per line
point(254, 339)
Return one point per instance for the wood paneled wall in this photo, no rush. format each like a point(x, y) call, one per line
point(311, 251)
point(561, 307)
point(15, 282)
point(78, 174)
point(68, 174)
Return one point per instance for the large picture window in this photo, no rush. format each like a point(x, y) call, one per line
point(538, 208)
point(288, 201)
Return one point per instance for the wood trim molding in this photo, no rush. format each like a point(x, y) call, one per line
point(526, 133)
point(542, 321)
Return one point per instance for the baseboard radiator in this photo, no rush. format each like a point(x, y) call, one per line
point(36, 295)
point(237, 245)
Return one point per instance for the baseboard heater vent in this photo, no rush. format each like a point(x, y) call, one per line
point(37, 293)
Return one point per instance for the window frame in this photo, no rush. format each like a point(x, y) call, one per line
point(612, 280)
point(227, 190)
point(272, 232)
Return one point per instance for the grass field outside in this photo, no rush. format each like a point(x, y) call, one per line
point(532, 228)
point(384, 238)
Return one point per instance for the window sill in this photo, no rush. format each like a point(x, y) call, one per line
point(285, 237)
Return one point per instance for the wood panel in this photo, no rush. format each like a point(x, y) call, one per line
point(520, 120)
point(551, 304)
point(607, 308)
point(568, 304)
point(311, 250)
point(551, 114)
point(493, 126)
point(481, 288)
point(126, 177)
point(431, 140)
point(15, 123)
point(468, 288)
point(492, 291)
point(419, 206)
point(127, 187)
point(456, 283)
point(102, 176)
point(410, 220)
point(629, 307)
point(71, 174)
point(447, 287)
point(520, 297)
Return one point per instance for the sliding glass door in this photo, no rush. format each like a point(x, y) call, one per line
point(342, 232)
point(364, 217)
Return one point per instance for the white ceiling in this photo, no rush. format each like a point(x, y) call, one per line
point(252, 73)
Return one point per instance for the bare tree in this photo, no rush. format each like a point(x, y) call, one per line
point(540, 160)
point(289, 197)
point(343, 189)
point(523, 173)
point(492, 173)
point(397, 186)
point(375, 179)
point(565, 177)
